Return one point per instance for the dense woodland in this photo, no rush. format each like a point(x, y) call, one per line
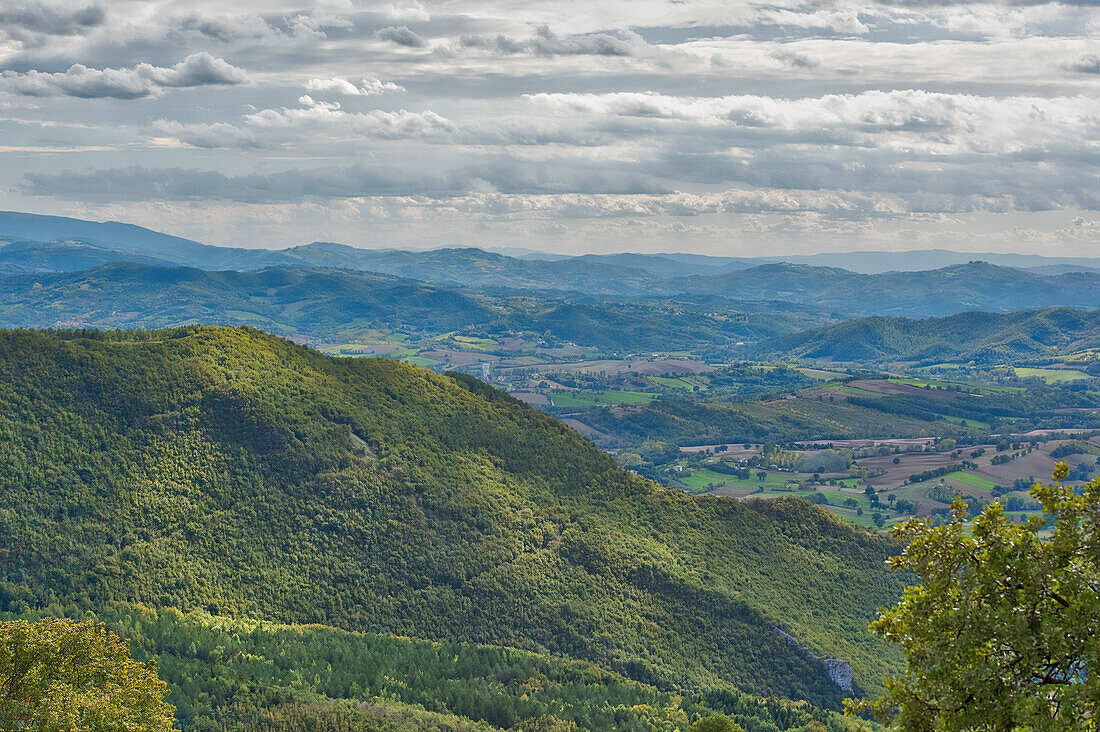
point(948, 290)
point(229, 674)
point(230, 472)
point(700, 422)
point(981, 337)
point(333, 305)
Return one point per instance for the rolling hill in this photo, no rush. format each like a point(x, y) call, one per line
point(117, 241)
point(987, 338)
point(230, 472)
point(333, 305)
point(930, 293)
point(286, 301)
point(40, 244)
point(477, 268)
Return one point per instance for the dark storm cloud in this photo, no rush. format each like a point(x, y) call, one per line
point(795, 60)
point(1087, 64)
point(225, 30)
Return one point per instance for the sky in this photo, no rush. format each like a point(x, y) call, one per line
point(716, 127)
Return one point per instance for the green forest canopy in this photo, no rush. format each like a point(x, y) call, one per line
point(229, 471)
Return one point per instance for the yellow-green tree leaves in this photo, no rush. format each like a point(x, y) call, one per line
point(64, 676)
point(1004, 632)
point(716, 723)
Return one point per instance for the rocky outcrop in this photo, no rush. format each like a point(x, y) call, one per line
point(839, 670)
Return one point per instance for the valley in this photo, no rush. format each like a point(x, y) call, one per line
point(485, 500)
point(481, 366)
point(647, 377)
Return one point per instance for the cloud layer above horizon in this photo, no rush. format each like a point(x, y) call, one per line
point(652, 125)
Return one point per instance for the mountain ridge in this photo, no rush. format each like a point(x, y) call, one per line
point(216, 468)
point(987, 338)
point(927, 292)
point(337, 305)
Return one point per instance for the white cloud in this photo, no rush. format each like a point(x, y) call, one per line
point(311, 119)
point(410, 11)
point(913, 121)
point(330, 117)
point(343, 86)
point(143, 80)
point(780, 116)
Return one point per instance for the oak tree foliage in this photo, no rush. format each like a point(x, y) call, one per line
point(58, 675)
point(1004, 631)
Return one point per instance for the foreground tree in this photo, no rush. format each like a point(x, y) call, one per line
point(1004, 632)
point(64, 675)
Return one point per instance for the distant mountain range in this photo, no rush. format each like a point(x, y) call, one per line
point(922, 259)
point(987, 338)
point(61, 271)
point(939, 292)
point(333, 305)
point(131, 239)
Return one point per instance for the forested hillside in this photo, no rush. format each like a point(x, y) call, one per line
point(930, 293)
point(333, 305)
point(230, 471)
point(987, 338)
point(42, 245)
point(250, 676)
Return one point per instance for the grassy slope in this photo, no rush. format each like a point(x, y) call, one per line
point(213, 468)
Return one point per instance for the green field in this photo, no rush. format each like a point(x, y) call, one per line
point(975, 481)
point(857, 391)
point(700, 479)
point(850, 514)
point(836, 499)
point(976, 424)
point(821, 374)
point(588, 399)
point(420, 361)
point(1052, 376)
point(673, 382)
point(981, 388)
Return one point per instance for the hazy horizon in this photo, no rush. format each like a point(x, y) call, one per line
point(872, 261)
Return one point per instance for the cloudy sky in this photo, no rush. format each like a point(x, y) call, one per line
point(712, 126)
